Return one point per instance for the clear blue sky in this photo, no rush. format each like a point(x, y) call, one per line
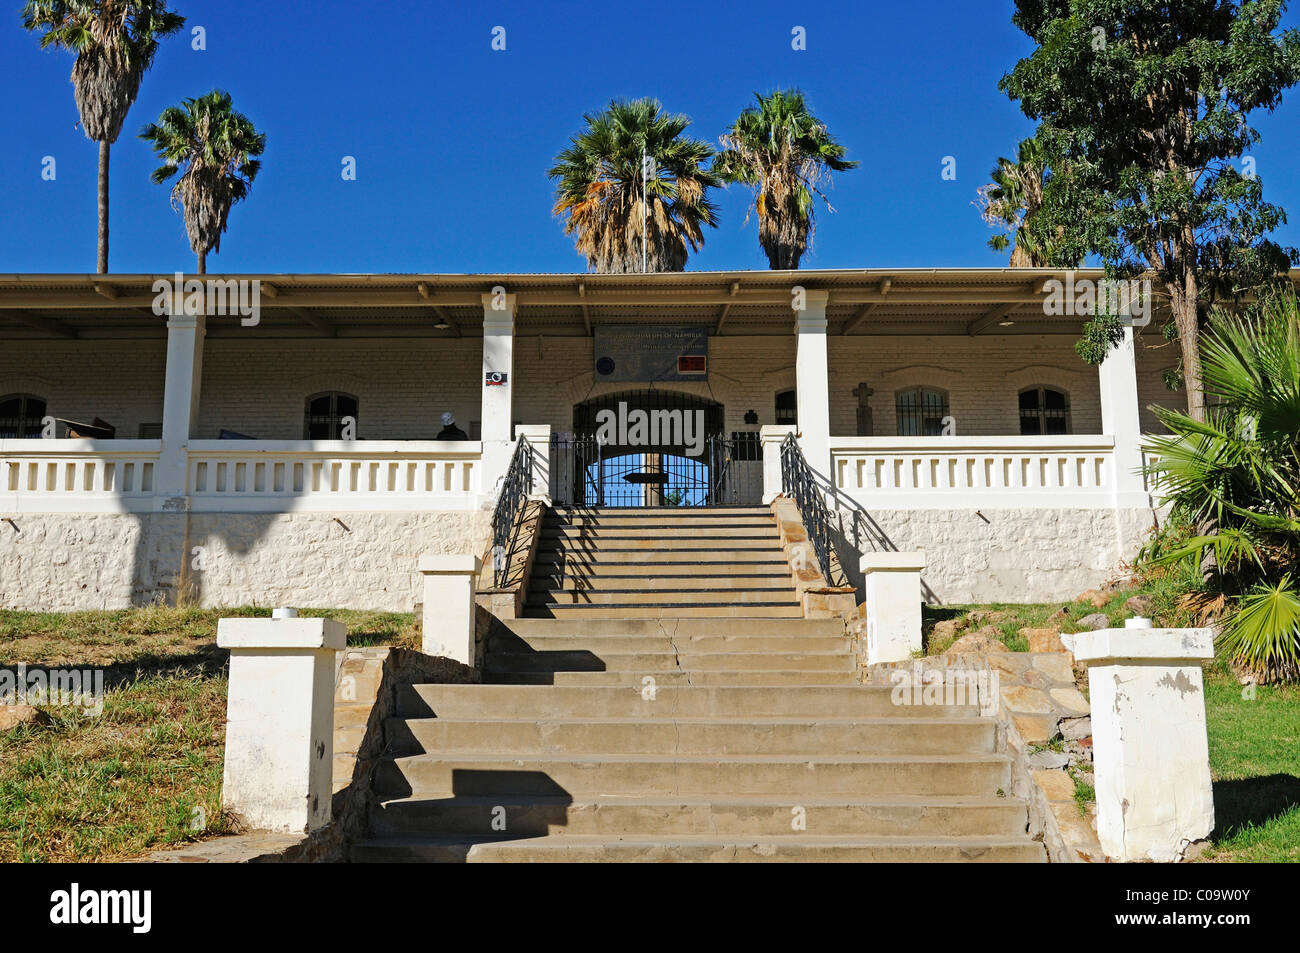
point(452, 139)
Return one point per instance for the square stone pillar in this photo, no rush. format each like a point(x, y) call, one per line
point(771, 439)
point(539, 438)
point(1151, 756)
point(280, 720)
point(812, 382)
point(450, 582)
point(184, 374)
point(498, 387)
point(1121, 419)
point(893, 591)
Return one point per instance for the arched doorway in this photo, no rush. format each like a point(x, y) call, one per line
point(649, 448)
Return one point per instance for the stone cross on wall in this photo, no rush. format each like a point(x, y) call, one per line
point(863, 393)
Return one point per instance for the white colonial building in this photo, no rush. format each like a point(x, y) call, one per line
point(290, 453)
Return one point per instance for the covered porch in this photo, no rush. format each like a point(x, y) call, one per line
point(910, 391)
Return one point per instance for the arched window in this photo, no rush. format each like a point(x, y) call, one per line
point(325, 413)
point(920, 411)
point(20, 415)
point(1044, 410)
point(787, 408)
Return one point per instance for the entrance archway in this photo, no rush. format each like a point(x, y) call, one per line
point(652, 448)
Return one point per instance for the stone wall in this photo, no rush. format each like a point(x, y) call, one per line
point(65, 562)
point(998, 555)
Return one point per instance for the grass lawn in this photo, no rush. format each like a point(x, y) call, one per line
point(147, 772)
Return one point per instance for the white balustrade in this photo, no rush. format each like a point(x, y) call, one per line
point(323, 475)
point(76, 476)
point(932, 472)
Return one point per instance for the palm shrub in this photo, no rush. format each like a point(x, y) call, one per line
point(1237, 476)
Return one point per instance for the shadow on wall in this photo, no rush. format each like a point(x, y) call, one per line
point(854, 531)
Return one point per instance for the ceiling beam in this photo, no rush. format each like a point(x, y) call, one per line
point(426, 292)
point(989, 319)
point(1001, 312)
point(323, 325)
point(42, 322)
point(726, 308)
point(865, 311)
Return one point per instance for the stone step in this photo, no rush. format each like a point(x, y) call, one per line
point(627, 582)
point(724, 817)
point(756, 521)
point(655, 610)
point(677, 628)
point(717, 556)
point(787, 776)
point(652, 663)
point(748, 736)
point(540, 701)
point(692, 644)
point(682, 595)
point(657, 512)
point(599, 535)
point(689, 542)
point(672, 678)
point(700, 849)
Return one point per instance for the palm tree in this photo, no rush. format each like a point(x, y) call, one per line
point(115, 42)
point(599, 189)
point(783, 152)
point(217, 147)
point(1236, 477)
point(1010, 202)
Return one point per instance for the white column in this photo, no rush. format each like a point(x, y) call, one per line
point(771, 438)
point(498, 404)
point(447, 628)
point(1150, 753)
point(539, 438)
point(812, 383)
point(1121, 419)
point(893, 599)
point(184, 374)
point(280, 720)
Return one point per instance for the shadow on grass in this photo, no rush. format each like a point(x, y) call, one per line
point(1252, 802)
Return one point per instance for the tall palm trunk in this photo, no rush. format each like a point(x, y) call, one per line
point(203, 263)
point(102, 260)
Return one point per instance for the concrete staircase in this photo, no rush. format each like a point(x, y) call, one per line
point(661, 562)
point(682, 737)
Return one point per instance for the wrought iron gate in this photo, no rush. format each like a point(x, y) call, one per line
point(587, 472)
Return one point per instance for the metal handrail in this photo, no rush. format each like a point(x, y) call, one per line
point(515, 490)
point(799, 482)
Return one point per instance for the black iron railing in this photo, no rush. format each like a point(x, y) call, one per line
point(799, 482)
point(515, 490)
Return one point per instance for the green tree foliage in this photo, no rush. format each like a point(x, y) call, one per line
point(1145, 102)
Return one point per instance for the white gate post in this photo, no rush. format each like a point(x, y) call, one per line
point(1150, 752)
point(280, 720)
